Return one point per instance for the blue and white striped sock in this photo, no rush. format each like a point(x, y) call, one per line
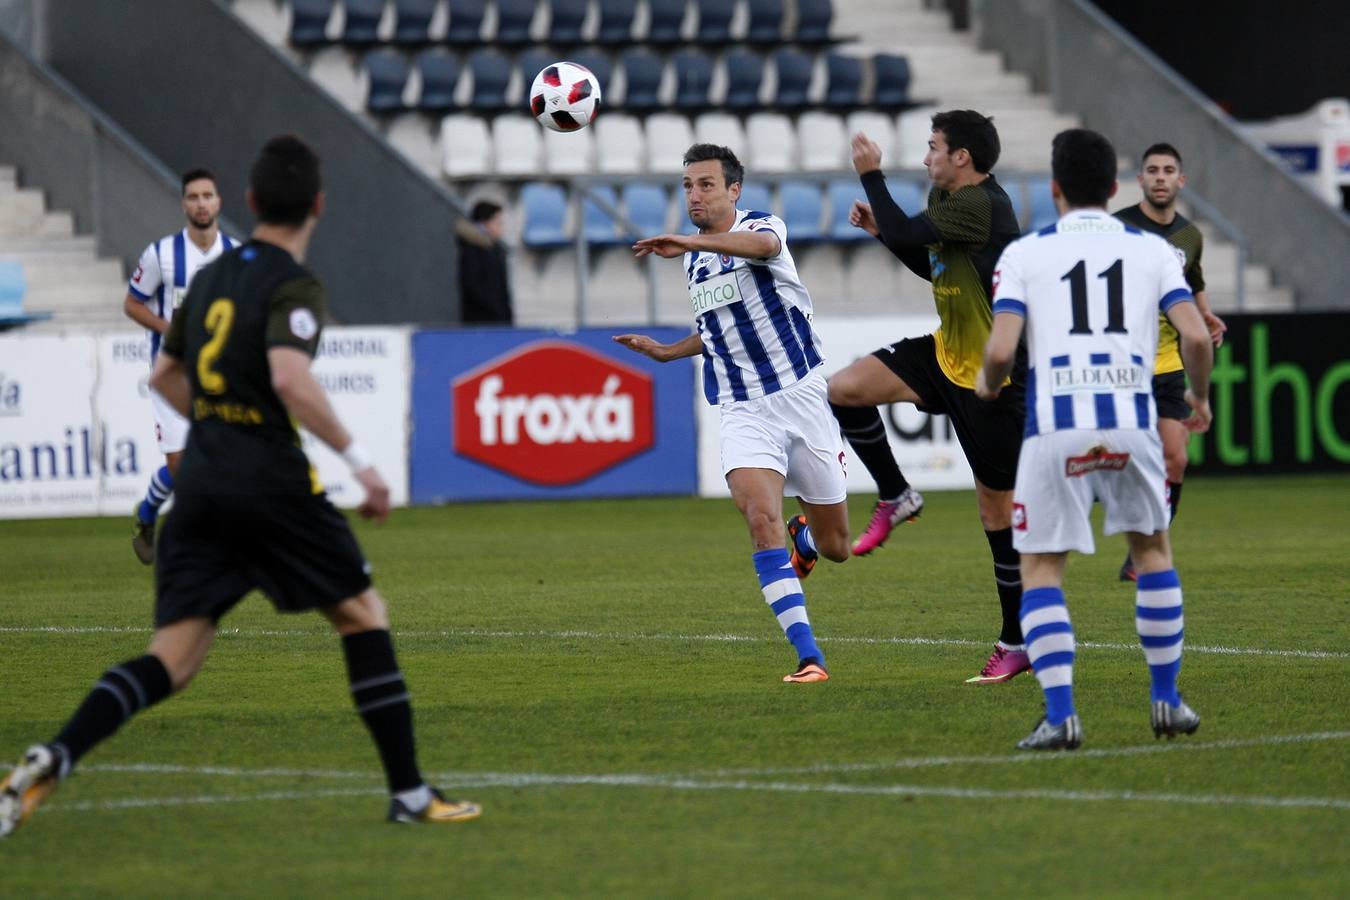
point(783, 592)
point(161, 486)
point(1157, 618)
point(1049, 637)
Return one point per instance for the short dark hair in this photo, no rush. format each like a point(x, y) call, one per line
point(732, 169)
point(1083, 163)
point(1161, 149)
point(484, 210)
point(197, 174)
point(973, 132)
point(285, 181)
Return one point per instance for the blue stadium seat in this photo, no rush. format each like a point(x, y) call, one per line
point(813, 21)
point(440, 73)
point(545, 211)
point(616, 22)
point(714, 21)
point(412, 23)
point(642, 69)
point(599, 64)
point(466, 21)
point(755, 196)
point(842, 192)
point(513, 21)
point(387, 74)
point(892, 81)
point(1041, 203)
point(693, 78)
point(362, 21)
point(645, 205)
point(531, 62)
point(599, 227)
point(13, 287)
point(565, 20)
point(765, 24)
point(491, 75)
point(309, 21)
point(745, 72)
point(794, 78)
point(801, 211)
point(664, 20)
point(843, 87)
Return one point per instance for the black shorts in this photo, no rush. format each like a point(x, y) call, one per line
point(215, 548)
point(1169, 394)
point(990, 433)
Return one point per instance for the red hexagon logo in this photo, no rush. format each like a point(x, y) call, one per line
point(552, 413)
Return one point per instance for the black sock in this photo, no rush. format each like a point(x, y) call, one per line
point(124, 690)
point(1008, 580)
point(866, 434)
point(1173, 498)
point(381, 698)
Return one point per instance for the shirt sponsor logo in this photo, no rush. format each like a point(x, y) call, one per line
point(716, 292)
point(552, 413)
point(1098, 459)
point(1071, 379)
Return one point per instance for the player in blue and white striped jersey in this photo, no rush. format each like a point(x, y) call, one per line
point(762, 369)
point(1088, 290)
point(156, 289)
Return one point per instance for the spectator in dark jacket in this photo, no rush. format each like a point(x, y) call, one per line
point(484, 283)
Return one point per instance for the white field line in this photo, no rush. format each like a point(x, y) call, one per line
point(692, 638)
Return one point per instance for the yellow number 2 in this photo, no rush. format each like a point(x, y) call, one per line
point(219, 319)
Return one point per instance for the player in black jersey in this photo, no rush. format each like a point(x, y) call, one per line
point(1161, 178)
point(249, 511)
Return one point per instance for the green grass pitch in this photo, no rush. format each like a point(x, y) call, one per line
point(604, 678)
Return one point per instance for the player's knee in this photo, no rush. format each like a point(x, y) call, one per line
point(1175, 460)
point(364, 612)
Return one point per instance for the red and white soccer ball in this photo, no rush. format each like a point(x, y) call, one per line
point(565, 97)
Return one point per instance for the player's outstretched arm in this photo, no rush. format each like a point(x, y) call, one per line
point(641, 343)
point(1197, 355)
point(745, 244)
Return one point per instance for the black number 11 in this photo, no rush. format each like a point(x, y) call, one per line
point(1115, 297)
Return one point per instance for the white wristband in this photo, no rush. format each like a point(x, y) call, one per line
point(356, 456)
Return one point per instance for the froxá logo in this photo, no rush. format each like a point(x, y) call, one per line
point(552, 413)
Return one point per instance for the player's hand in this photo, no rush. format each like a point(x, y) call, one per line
point(640, 343)
point(667, 246)
point(1201, 416)
point(376, 504)
point(866, 154)
point(982, 388)
point(1216, 327)
point(860, 216)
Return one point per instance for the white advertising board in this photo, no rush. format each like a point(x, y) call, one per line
point(924, 445)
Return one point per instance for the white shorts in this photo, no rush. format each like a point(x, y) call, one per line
point(171, 429)
point(793, 433)
point(1060, 474)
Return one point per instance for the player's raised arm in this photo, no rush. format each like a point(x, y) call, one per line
point(691, 345)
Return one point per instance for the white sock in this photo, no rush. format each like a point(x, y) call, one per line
point(415, 799)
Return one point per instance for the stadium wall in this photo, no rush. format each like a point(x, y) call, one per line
point(1096, 69)
point(193, 84)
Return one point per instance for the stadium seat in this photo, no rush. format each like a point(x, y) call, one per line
point(745, 73)
point(842, 192)
point(309, 21)
point(880, 128)
point(722, 129)
point(565, 18)
point(545, 212)
point(440, 72)
point(599, 63)
point(412, 21)
point(843, 88)
point(755, 195)
point(362, 22)
point(668, 136)
point(714, 21)
point(572, 153)
point(530, 63)
point(13, 286)
point(642, 70)
point(646, 206)
point(598, 223)
point(909, 194)
point(772, 142)
point(912, 128)
point(813, 21)
point(824, 144)
point(801, 211)
point(664, 19)
point(693, 79)
point(491, 76)
point(794, 79)
point(1041, 204)
point(616, 22)
point(466, 22)
point(765, 25)
point(517, 144)
point(891, 77)
point(619, 144)
point(465, 145)
point(411, 134)
point(387, 76)
point(513, 21)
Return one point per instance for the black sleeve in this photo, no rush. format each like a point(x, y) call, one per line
point(907, 237)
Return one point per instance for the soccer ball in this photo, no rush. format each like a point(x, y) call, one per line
point(565, 97)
